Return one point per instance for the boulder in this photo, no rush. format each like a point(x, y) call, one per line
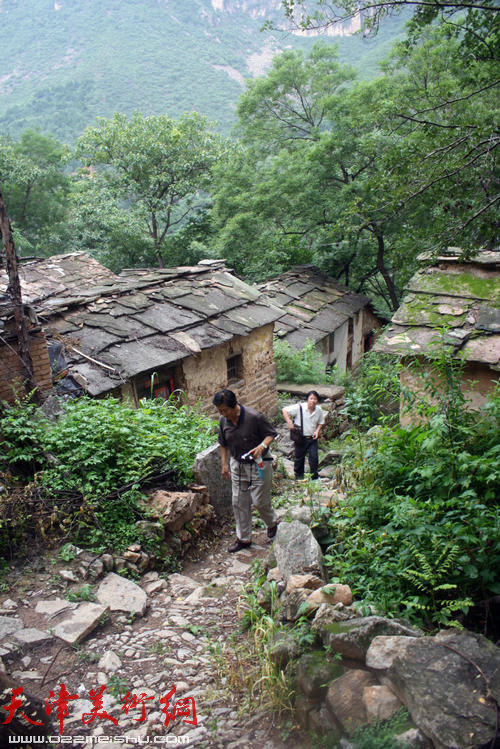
point(120, 594)
point(174, 508)
point(443, 682)
point(295, 604)
point(353, 638)
point(283, 649)
point(310, 582)
point(384, 649)
point(412, 739)
point(274, 574)
point(328, 615)
point(297, 551)
point(207, 470)
point(331, 457)
point(380, 703)
point(302, 513)
point(344, 699)
point(332, 594)
point(314, 672)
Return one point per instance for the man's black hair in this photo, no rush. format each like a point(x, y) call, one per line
point(312, 392)
point(225, 398)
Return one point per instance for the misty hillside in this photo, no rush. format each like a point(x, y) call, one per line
point(64, 62)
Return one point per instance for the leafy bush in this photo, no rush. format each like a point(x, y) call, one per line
point(375, 391)
point(420, 534)
point(22, 427)
point(297, 366)
point(98, 453)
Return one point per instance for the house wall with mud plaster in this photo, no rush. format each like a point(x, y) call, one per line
point(11, 373)
point(255, 385)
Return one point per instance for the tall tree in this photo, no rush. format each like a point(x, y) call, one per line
point(471, 29)
point(36, 188)
point(153, 168)
point(309, 181)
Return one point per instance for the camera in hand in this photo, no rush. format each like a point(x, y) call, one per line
point(246, 458)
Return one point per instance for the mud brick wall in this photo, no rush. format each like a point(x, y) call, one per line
point(205, 373)
point(11, 375)
point(477, 384)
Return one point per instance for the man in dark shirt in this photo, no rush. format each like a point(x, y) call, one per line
point(242, 431)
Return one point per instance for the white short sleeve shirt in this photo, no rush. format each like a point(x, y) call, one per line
point(310, 420)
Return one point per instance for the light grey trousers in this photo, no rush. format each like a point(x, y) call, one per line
point(248, 489)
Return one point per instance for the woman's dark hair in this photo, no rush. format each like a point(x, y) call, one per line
point(224, 398)
point(312, 392)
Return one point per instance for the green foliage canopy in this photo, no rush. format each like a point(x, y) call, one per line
point(36, 190)
point(154, 168)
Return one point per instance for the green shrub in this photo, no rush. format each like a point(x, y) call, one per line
point(420, 533)
point(297, 366)
point(375, 391)
point(98, 454)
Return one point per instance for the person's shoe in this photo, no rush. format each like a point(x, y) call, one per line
point(271, 532)
point(239, 545)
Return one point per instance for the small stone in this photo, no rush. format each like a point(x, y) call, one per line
point(108, 562)
point(68, 576)
point(9, 605)
point(380, 703)
point(109, 662)
point(54, 607)
point(32, 637)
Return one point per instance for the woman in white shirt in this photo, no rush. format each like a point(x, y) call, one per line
point(310, 418)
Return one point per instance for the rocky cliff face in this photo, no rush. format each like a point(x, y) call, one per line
point(272, 10)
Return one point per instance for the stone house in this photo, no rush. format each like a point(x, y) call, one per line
point(455, 302)
point(11, 369)
point(149, 332)
point(316, 308)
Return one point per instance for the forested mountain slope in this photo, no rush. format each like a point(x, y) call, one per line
point(64, 62)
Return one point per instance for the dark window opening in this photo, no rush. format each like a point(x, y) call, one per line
point(234, 368)
point(156, 385)
point(368, 342)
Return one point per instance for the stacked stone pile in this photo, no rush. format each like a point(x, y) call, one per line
point(364, 668)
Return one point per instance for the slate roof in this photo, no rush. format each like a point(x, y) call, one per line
point(462, 296)
point(314, 304)
point(115, 327)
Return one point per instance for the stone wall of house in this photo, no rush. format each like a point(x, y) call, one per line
point(205, 373)
point(478, 382)
point(340, 347)
point(370, 322)
point(357, 341)
point(11, 376)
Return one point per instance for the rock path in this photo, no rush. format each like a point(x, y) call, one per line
point(188, 614)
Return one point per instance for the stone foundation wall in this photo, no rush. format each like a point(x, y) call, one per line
point(205, 373)
point(11, 376)
point(478, 382)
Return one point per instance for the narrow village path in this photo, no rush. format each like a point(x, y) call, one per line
point(191, 615)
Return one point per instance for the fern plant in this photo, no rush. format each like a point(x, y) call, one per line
point(429, 575)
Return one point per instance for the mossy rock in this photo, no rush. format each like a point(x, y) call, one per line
point(315, 671)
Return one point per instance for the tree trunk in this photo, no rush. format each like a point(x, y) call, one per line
point(385, 273)
point(14, 291)
point(159, 257)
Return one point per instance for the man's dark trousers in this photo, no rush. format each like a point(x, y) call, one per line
point(307, 446)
